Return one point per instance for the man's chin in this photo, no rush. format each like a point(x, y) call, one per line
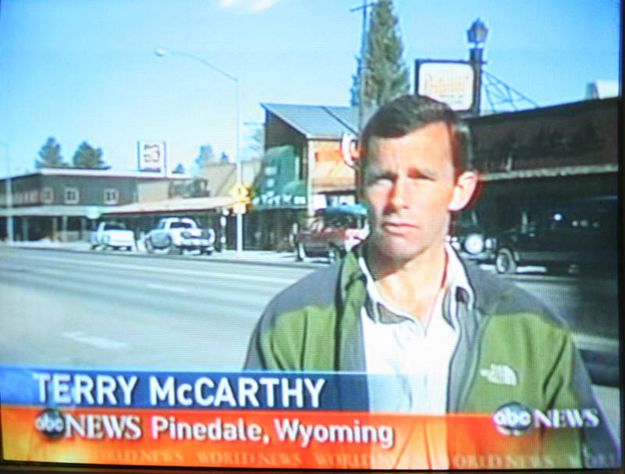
point(398, 251)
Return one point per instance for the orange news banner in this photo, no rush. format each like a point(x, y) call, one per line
point(257, 439)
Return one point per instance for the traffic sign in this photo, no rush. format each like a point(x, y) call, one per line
point(240, 193)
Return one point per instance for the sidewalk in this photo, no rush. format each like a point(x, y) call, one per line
point(247, 256)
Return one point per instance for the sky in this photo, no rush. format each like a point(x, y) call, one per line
point(86, 70)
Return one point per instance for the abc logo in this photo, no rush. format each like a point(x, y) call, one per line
point(512, 419)
point(51, 423)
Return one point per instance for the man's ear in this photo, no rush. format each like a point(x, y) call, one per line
point(464, 190)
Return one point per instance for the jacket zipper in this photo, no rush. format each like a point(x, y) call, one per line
point(470, 375)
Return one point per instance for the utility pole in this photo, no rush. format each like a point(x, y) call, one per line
point(362, 65)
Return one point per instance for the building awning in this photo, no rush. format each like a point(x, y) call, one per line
point(554, 172)
point(152, 207)
point(331, 173)
point(90, 212)
point(279, 186)
point(174, 205)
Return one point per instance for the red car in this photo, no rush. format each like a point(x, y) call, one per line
point(334, 231)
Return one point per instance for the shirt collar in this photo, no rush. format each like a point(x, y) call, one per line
point(457, 290)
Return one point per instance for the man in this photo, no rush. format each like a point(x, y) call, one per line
point(446, 337)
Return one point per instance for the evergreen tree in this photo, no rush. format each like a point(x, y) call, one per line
point(206, 156)
point(50, 155)
point(179, 169)
point(385, 73)
point(88, 157)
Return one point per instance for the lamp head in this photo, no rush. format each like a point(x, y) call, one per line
point(477, 33)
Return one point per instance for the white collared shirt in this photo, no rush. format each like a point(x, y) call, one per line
point(408, 362)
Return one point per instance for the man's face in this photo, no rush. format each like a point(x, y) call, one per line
point(411, 187)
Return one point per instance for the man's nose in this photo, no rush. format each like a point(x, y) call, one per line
point(399, 198)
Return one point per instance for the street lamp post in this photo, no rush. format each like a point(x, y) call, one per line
point(239, 178)
point(477, 35)
point(8, 194)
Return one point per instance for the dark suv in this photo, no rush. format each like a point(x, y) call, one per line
point(334, 231)
point(576, 236)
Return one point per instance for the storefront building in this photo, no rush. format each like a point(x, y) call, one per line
point(302, 169)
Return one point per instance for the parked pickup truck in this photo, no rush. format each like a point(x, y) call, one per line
point(112, 235)
point(175, 234)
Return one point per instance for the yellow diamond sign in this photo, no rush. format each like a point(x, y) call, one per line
point(240, 193)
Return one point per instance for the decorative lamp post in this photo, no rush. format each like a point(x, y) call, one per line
point(239, 178)
point(477, 36)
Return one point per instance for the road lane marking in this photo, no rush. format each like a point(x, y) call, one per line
point(49, 271)
point(95, 341)
point(175, 289)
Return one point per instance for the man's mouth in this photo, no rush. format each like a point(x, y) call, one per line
point(398, 226)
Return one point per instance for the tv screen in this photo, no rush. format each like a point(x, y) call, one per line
point(244, 235)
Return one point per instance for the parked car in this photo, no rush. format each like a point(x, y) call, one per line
point(112, 235)
point(334, 232)
point(176, 234)
point(578, 236)
point(471, 241)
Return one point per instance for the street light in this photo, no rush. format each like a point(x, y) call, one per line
point(477, 35)
point(8, 194)
point(160, 52)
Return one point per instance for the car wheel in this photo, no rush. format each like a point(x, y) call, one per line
point(504, 262)
point(300, 252)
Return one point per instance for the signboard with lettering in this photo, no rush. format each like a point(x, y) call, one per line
point(152, 156)
point(447, 81)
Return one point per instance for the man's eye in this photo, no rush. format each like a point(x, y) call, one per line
point(420, 177)
point(381, 180)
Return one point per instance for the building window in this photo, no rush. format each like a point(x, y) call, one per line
point(71, 196)
point(111, 196)
point(47, 196)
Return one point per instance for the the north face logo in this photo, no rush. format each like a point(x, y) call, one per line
point(500, 375)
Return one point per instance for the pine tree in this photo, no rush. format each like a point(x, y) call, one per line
point(179, 169)
point(88, 157)
point(204, 158)
point(385, 73)
point(50, 155)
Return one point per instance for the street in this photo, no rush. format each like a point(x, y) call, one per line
point(108, 310)
point(137, 311)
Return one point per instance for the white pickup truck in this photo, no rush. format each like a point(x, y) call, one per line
point(112, 235)
point(175, 234)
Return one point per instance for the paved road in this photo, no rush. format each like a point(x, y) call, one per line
point(139, 311)
point(116, 311)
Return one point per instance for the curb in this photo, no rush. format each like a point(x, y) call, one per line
point(215, 257)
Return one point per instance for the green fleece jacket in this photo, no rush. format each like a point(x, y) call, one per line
point(315, 325)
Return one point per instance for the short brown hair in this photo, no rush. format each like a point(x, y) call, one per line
point(408, 113)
